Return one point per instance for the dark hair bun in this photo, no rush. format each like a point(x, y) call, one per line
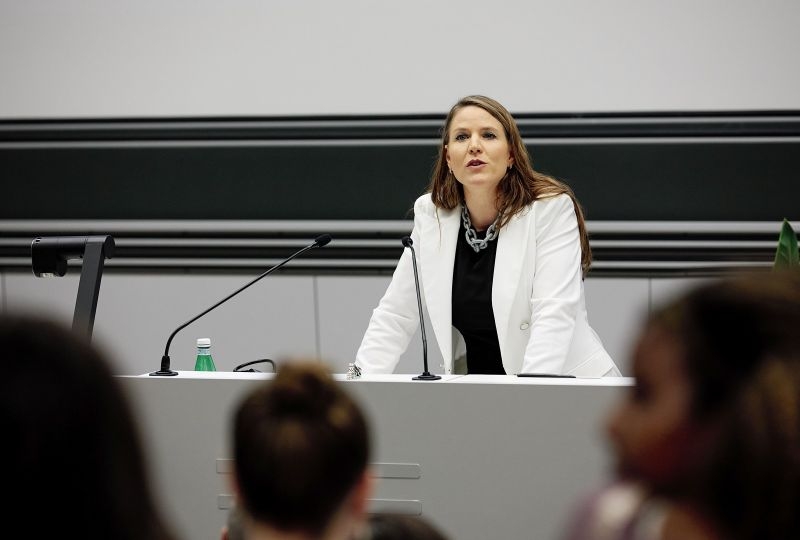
point(300, 446)
point(303, 391)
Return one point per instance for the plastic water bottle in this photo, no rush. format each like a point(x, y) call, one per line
point(204, 361)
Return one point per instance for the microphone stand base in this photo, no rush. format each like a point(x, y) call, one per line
point(164, 373)
point(165, 362)
point(426, 376)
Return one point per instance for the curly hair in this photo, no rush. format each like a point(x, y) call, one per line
point(741, 340)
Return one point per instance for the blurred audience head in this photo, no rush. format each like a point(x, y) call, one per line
point(301, 446)
point(713, 421)
point(401, 527)
point(75, 464)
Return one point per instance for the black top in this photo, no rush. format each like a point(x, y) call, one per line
point(473, 315)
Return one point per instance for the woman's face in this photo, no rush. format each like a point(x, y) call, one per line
point(651, 431)
point(477, 150)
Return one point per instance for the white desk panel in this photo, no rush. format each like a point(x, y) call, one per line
point(480, 456)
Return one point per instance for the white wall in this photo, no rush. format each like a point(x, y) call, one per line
point(87, 58)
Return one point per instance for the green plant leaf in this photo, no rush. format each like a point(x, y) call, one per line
point(786, 256)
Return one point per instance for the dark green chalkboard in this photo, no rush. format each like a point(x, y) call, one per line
point(658, 167)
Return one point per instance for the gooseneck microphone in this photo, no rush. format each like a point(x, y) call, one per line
point(426, 375)
point(165, 371)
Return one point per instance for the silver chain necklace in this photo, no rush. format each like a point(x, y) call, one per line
point(472, 236)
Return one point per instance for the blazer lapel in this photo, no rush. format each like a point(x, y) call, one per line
point(438, 256)
point(511, 251)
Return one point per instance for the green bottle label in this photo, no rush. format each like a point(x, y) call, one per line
point(204, 362)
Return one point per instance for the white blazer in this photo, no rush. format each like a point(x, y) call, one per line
point(537, 294)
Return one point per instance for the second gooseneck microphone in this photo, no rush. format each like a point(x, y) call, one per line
point(165, 371)
point(426, 375)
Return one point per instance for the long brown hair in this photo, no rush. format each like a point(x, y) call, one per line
point(521, 185)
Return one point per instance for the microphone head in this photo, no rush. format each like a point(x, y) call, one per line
point(322, 240)
point(407, 242)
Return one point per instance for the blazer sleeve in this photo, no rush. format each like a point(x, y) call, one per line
point(556, 286)
point(395, 320)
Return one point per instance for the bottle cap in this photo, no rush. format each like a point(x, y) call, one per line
point(204, 342)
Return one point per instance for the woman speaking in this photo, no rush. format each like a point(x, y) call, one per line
point(502, 252)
